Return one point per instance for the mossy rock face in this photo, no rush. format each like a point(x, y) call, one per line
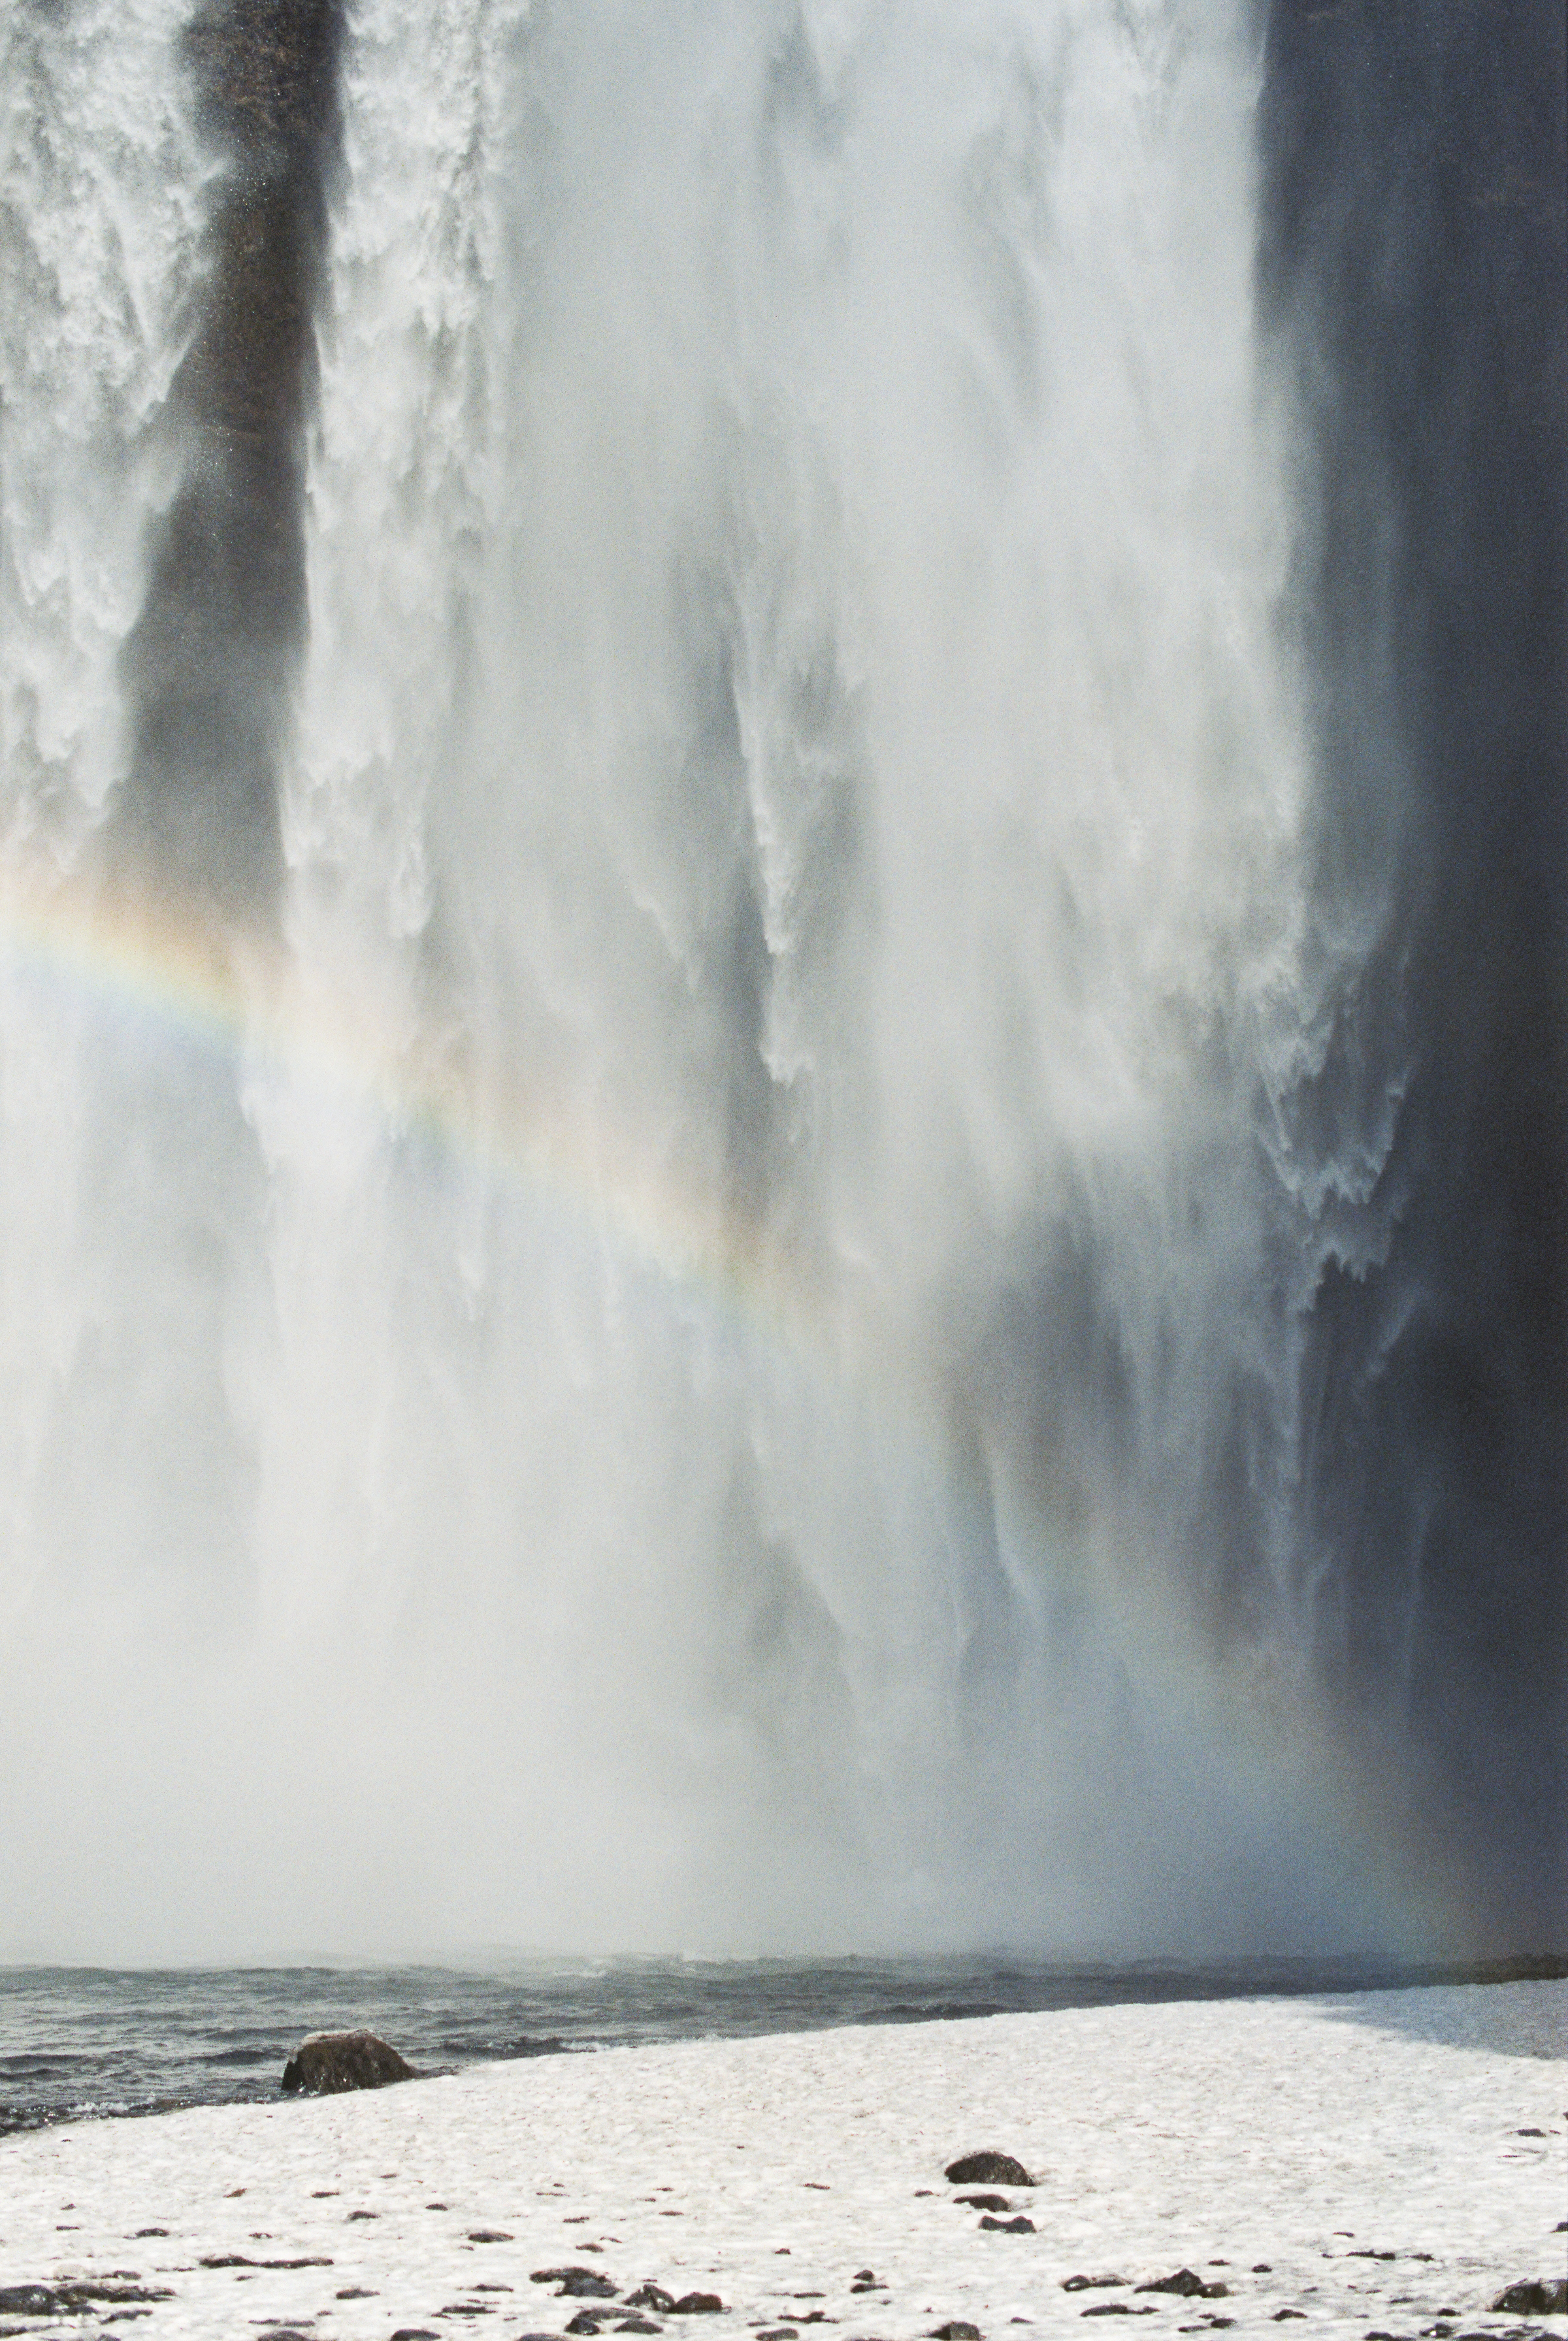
point(264, 76)
point(326, 2063)
point(211, 664)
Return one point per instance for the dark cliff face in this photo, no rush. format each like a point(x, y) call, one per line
point(1412, 270)
point(210, 663)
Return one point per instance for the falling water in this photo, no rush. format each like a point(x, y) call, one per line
point(694, 1006)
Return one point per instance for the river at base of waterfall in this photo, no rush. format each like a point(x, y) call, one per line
point(82, 2042)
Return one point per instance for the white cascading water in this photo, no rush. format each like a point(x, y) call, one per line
point(746, 1368)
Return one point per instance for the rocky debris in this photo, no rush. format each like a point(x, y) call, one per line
point(985, 2202)
point(654, 2296)
point(1090, 2283)
point(30, 2300)
point(356, 2292)
point(584, 2322)
point(148, 2231)
point(987, 2169)
point(364, 2215)
point(488, 2236)
point(1114, 2308)
point(955, 2329)
point(81, 2295)
point(697, 2304)
point(578, 2284)
point(637, 2325)
point(1188, 2285)
point(1533, 2296)
point(1015, 2226)
point(68, 2296)
point(327, 2063)
point(414, 2333)
point(777, 2333)
point(865, 2280)
point(238, 2259)
point(1284, 2315)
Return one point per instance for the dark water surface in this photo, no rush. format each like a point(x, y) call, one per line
point(78, 2042)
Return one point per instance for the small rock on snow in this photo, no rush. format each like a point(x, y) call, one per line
point(987, 2169)
point(1533, 2296)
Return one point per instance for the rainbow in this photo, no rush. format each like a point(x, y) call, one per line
point(233, 988)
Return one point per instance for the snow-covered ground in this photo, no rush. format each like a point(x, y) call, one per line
point(1379, 2162)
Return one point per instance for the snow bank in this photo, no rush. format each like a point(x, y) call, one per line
point(1378, 2162)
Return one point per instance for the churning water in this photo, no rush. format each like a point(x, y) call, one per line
point(736, 1064)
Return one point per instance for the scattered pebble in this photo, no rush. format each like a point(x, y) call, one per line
point(1188, 2283)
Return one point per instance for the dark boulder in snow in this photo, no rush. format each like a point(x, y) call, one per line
point(326, 2063)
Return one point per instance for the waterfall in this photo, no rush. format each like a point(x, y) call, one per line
point(694, 1003)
